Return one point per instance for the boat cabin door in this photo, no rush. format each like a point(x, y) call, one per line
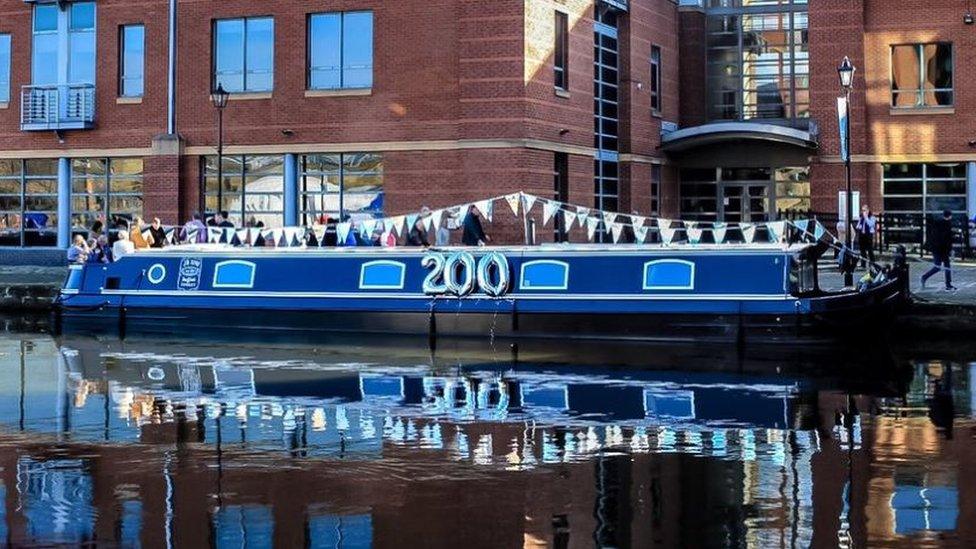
point(745, 201)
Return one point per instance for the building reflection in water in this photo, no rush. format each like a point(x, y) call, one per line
point(138, 445)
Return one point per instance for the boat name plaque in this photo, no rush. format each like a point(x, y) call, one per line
point(458, 274)
point(190, 269)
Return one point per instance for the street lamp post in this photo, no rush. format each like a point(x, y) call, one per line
point(219, 98)
point(846, 73)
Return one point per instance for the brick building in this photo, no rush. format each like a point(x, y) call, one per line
point(705, 109)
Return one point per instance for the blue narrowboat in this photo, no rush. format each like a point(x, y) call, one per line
point(629, 292)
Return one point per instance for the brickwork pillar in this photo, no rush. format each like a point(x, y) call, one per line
point(161, 179)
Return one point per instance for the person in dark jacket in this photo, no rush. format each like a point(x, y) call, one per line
point(940, 244)
point(474, 233)
point(417, 235)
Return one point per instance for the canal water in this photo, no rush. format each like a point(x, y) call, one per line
point(359, 443)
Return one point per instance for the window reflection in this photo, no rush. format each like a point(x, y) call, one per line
point(336, 185)
point(253, 189)
point(921, 75)
point(244, 54)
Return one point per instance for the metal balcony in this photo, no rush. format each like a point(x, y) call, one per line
point(57, 107)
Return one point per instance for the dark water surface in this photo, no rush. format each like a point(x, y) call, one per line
point(369, 443)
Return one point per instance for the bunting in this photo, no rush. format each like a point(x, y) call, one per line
point(513, 201)
point(485, 207)
point(591, 225)
point(435, 217)
point(549, 208)
point(396, 224)
point(615, 231)
point(528, 201)
point(718, 232)
point(776, 230)
point(342, 231)
point(667, 233)
point(411, 221)
point(748, 232)
point(694, 234)
point(569, 218)
point(367, 227)
point(640, 234)
point(609, 218)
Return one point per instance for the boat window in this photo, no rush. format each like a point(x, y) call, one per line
point(669, 274)
point(382, 275)
point(803, 276)
point(676, 404)
point(234, 274)
point(544, 274)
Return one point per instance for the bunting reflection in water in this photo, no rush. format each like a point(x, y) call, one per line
point(174, 444)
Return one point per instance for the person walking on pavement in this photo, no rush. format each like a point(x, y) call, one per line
point(474, 233)
point(940, 244)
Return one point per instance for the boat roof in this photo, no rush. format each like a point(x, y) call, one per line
point(540, 248)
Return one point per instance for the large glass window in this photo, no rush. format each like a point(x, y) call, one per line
point(132, 54)
point(921, 75)
point(28, 202)
point(606, 80)
point(561, 51)
point(244, 54)
point(338, 185)
point(252, 190)
point(4, 68)
point(340, 50)
point(105, 191)
point(77, 21)
point(758, 60)
point(915, 194)
point(792, 190)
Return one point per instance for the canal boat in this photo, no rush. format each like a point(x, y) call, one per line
point(619, 292)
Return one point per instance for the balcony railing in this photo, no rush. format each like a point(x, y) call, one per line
point(57, 107)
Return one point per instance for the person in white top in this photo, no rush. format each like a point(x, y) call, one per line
point(122, 247)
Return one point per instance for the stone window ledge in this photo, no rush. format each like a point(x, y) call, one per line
point(249, 96)
point(351, 92)
point(561, 93)
point(925, 111)
point(128, 100)
point(4, 105)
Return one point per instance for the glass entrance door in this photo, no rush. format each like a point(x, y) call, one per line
point(746, 202)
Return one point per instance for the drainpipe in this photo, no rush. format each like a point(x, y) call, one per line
point(64, 202)
point(171, 106)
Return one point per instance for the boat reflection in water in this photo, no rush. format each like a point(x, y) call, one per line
point(173, 443)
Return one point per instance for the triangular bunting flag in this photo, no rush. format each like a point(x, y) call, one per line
point(591, 225)
point(228, 235)
point(368, 227)
point(528, 201)
point(435, 217)
point(396, 224)
point(583, 214)
point(718, 232)
point(171, 235)
point(615, 230)
point(513, 201)
point(192, 234)
point(485, 207)
point(214, 234)
point(342, 232)
point(242, 236)
point(776, 230)
point(637, 220)
point(146, 234)
point(609, 218)
point(694, 234)
point(569, 217)
point(427, 221)
point(748, 232)
point(411, 221)
point(549, 208)
point(640, 234)
point(818, 230)
point(667, 233)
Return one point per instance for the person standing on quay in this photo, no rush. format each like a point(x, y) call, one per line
point(940, 244)
point(867, 228)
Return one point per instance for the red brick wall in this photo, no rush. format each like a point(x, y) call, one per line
point(691, 58)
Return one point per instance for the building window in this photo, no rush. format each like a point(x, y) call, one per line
point(77, 21)
point(244, 54)
point(253, 189)
point(655, 189)
point(340, 50)
point(4, 68)
point(792, 190)
point(28, 202)
point(560, 192)
point(335, 186)
point(758, 60)
point(105, 191)
point(655, 80)
point(916, 194)
point(561, 51)
point(132, 54)
point(921, 75)
point(606, 82)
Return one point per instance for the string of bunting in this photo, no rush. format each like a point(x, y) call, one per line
point(592, 220)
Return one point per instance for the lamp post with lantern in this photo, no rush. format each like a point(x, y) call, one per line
point(846, 73)
point(219, 99)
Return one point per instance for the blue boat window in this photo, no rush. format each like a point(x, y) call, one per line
point(382, 275)
point(234, 274)
point(544, 274)
point(669, 274)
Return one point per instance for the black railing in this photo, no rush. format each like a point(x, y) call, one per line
point(908, 230)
